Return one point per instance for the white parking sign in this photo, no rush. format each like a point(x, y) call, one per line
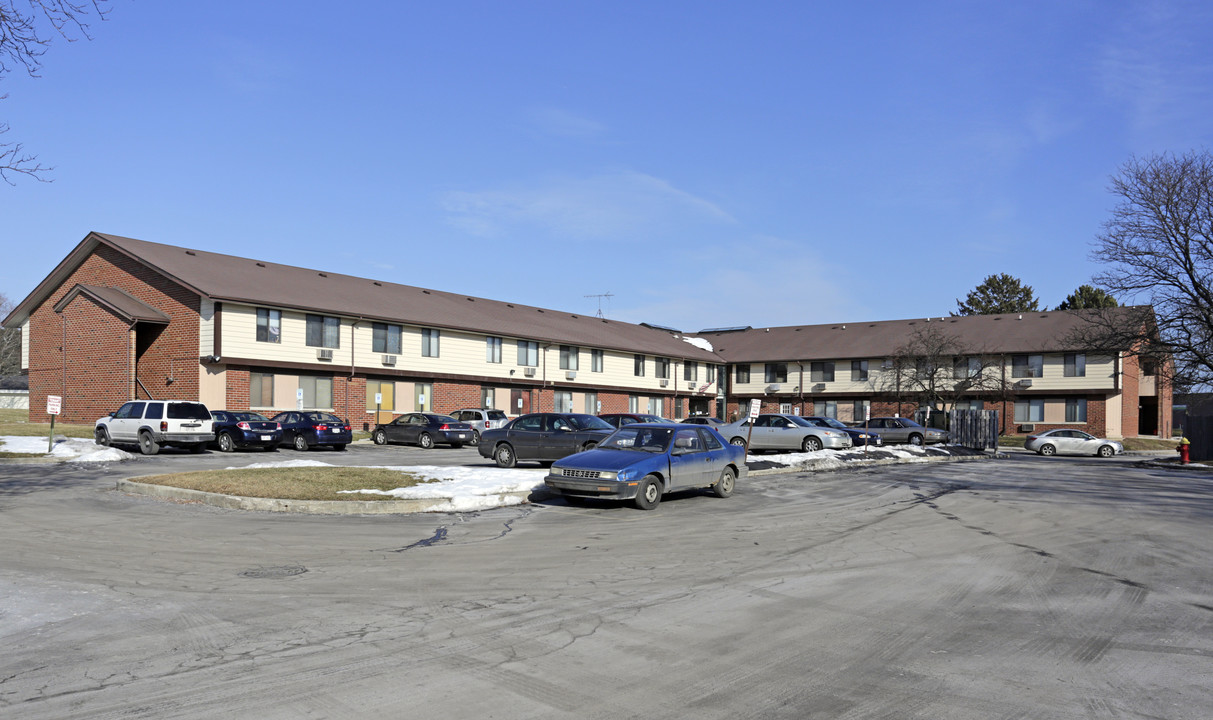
point(54, 404)
point(755, 408)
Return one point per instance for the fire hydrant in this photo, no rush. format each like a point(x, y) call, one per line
point(1182, 449)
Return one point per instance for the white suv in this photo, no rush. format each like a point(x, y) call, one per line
point(481, 419)
point(156, 423)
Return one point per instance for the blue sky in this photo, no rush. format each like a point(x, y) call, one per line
point(707, 163)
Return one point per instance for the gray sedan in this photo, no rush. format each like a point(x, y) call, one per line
point(1073, 442)
point(904, 430)
point(777, 431)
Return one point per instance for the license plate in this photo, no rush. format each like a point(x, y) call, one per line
point(463, 436)
point(266, 437)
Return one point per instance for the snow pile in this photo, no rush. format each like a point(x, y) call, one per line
point(834, 459)
point(465, 488)
point(282, 464)
point(65, 448)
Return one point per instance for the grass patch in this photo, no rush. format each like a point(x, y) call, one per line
point(306, 483)
point(16, 422)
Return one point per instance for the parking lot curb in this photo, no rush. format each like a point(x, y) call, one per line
point(313, 507)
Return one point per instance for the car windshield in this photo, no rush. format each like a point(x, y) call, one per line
point(589, 422)
point(639, 438)
point(441, 418)
point(831, 422)
point(496, 415)
point(188, 411)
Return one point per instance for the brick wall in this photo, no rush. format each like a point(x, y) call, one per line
point(83, 369)
point(1131, 394)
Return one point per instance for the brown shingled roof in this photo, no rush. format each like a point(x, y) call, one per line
point(119, 302)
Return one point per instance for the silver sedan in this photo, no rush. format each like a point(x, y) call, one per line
point(1071, 442)
point(778, 431)
point(904, 430)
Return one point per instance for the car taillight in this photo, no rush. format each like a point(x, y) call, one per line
point(445, 427)
point(1031, 438)
point(486, 424)
point(321, 428)
point(347, 428)
point(277, 426)
point(164, 426)
point(244, 426)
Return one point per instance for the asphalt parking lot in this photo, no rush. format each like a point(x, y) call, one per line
point(1018, 588)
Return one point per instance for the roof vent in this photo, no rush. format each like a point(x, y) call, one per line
point(427, 292)
point(539, 309)
point(322, 274)
point(471, 299)
point(377, 283)
point(260, 264)
point(509, 305)
point(190, 252)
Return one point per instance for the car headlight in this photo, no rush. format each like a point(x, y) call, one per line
point(625, 475)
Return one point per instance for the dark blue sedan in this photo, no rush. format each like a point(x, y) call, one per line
point(245, 430)
point(304, 429)
point(642, 462)
point(424, 429)
point(859, 437)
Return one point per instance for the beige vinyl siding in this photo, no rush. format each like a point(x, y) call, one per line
point(206, 327)
point(1147, 386)
point(239, 330)
point(212, 387)
point(25, 345)
point(285, 387)
point(1100, 374)
point(1055, 412)
point(1112, 417)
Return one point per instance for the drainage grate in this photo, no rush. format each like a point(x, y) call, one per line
point(270, 573)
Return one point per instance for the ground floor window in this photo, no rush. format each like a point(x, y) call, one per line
point(591, 403)
point(654, 406)
point(1076, 410)
point(487, 397)
point(317, 392)
point(825, 408)
point(423, 397)
point(261, 390)
point(862, 409)
point(785, 408)
point(967, 405)
point(633, 404)
point(386, 390)
point(1030, 411)
point(563, 401)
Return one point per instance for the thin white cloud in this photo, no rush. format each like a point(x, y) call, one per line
point(562, 123)
point(620, 206)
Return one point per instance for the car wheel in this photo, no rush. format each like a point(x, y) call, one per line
point(380, 437)
point(147, 445)
point(724, 486)
point(475, 437)
point(737, 441)
point(103, 436)
point(648, 495)
point(226, 444)
point(589, 446)
point(301, 443)
point(425, 441)
point(916, 439)
point(504, 455)
point(811, 443)
point(1047, 450)
point(339, 446)
point(1106, 451)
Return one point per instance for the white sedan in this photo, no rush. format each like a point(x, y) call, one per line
point(1072, 442)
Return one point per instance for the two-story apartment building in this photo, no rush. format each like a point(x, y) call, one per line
point(120, 318)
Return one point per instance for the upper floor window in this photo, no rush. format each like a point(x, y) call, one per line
point(777, 372)
point(385, 338)
point(963, 368)
point(323, 331)
point(596, 361)
point(743, 374)
point(690, 371)
point(638, 365)
point(492, 351)
point(569, 355)
point(269, 325)
point(711, 373)
point(822, 372)
point(429, 342)
point(663, 367)
point(1076, 364)
point(528, 352)
point(1027, 366)
point(859, 370)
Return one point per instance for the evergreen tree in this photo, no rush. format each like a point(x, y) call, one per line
point(1088, 297)
point(998, 294)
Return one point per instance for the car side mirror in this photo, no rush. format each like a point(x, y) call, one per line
point(110, 414)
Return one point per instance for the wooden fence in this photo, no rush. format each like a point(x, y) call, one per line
point(1199, 430)
point(977, 429)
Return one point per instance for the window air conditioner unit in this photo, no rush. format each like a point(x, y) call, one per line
point(665, 382)
point(570, 375)
point(324, 354)
point(773, 388)
point(1024, 383)
point(691, 385)
point(819, 387)
point(529, 372)
point(389, 359)
point(1031, 427)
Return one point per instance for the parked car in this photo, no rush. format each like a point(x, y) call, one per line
point(779, 431)
point(704, 420)
point(621, 419)
point(1071, 442)
point(305, 429)
point(153, 424)
point(245, 430)
point(543, 437)
point(481, 419)
point(904, 430)
point(643, 461)
point(858, 435)
point(424, 429)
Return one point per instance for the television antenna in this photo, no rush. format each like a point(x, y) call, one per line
point(600, 296)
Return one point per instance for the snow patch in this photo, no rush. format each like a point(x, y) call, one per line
point(74, 449)
point(700, 343)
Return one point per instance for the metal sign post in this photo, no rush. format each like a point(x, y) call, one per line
point(54, 404)
point(755, 408)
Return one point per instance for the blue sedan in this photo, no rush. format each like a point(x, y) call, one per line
point(245, 430)
point(645, 461)
point(305, 429)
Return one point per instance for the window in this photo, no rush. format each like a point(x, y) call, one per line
point(569, 355)
point(429, 342)
point(690, 370)
point(317, 392)
point(1076, 410)
point(596, 361)
point(655, 406)
point(663, 367)
point(1149, 366)
point(1027, 366)
point(1030, 411)
point(563, 401)
point(528, 352)
point(1076, 365)
point(821, 372)
point(487, 396)
point(967, 405)
point(260, 390)
point(633, 404)
point(777, 372)
point(743, 374)
point(385, 338)
point(492, 349)
point(423, 397)
point(323, 331)
point(387, 392)
point(924, 368)
point(591, 403)
point(859, 370)
point(825, 408)
point(678, 405)
point(966, 368)
point(638, 365)
point(861, 409)
point(269, 325)
point(711, 374)
point(785, 408)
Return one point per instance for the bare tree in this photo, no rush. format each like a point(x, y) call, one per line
point(25, 35)
point(10, 342)
point(1158, 248)
point(937, 369)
